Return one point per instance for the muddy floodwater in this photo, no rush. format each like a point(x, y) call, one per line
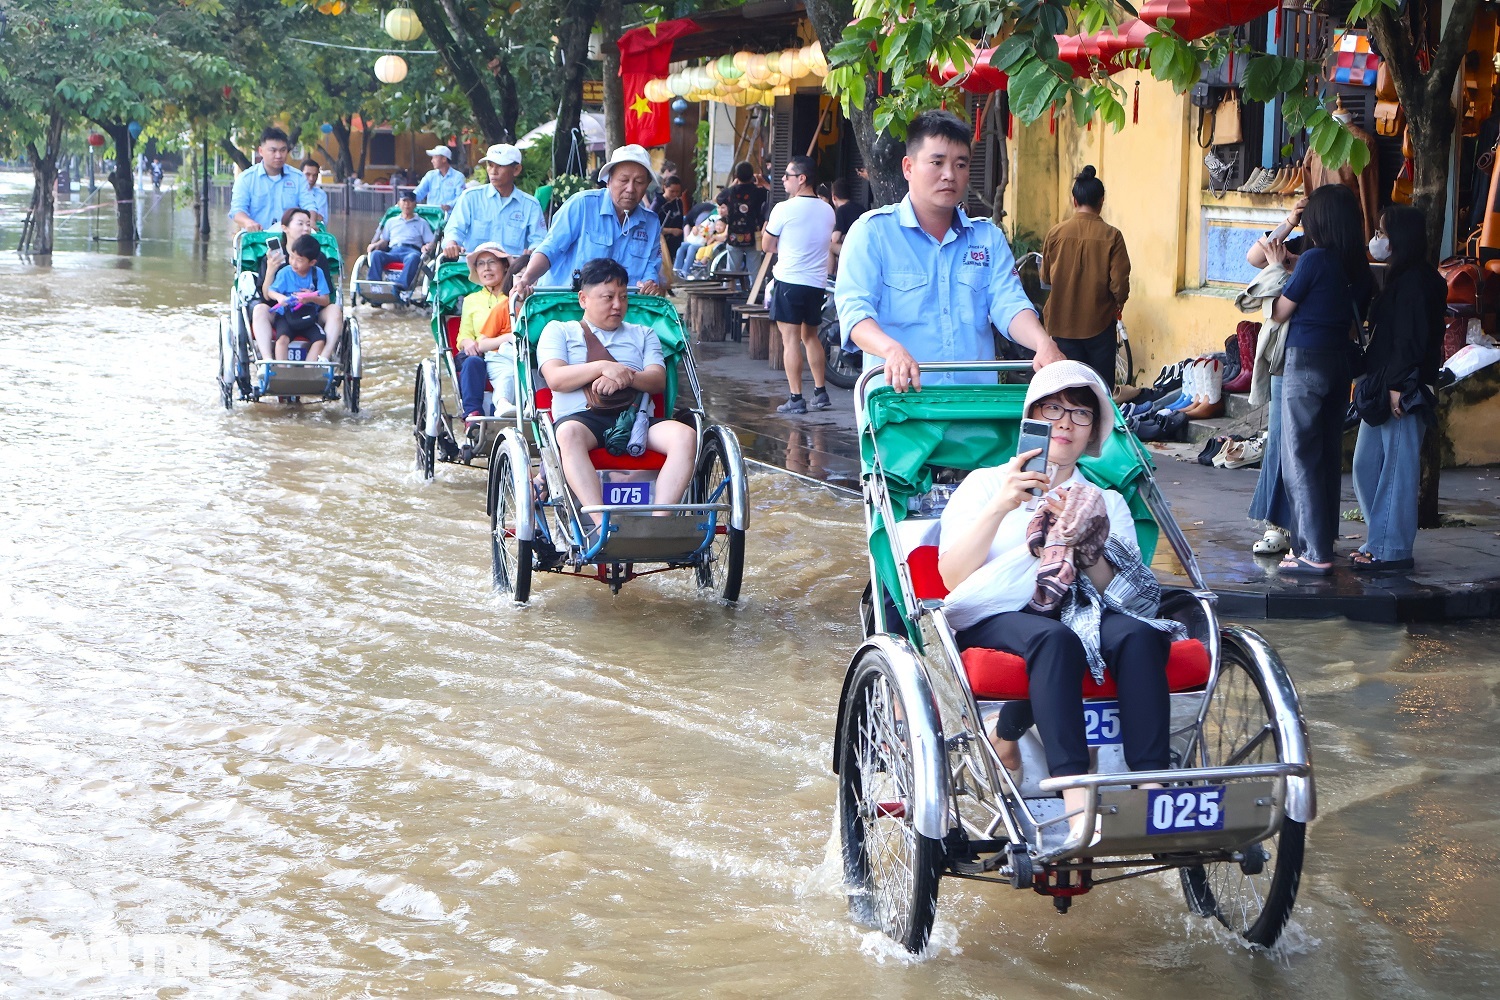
point(264, 730)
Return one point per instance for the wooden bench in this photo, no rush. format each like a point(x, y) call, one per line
point(709, 313)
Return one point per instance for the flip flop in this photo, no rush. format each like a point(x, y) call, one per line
point(1369, 564)
point(1301, 567)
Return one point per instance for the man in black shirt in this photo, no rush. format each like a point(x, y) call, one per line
point(672, 208)
point(845, 213)
point(744, 208)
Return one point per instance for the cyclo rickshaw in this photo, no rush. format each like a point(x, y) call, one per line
point(243, 370)
point(922, 792)
point(385, 291)
point(441, 435)
point(537, 524)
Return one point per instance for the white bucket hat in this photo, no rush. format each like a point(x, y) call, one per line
point(501, 154)
point(1060, 375)
point(629, 153)
point(440, 151)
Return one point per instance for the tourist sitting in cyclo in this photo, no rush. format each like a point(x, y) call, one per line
point(404, 238)
point(486, 347)
point(295, 223)
point(296, 293)
point(1058, 580)
point(587, 362)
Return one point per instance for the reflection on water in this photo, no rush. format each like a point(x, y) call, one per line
point(257, 697)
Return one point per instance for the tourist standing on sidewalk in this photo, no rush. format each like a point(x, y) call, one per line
point(1405, 352)
point(1085, 262)
point(921, 281)
point(799, 233)
point(1323, 302)
point(743, 206)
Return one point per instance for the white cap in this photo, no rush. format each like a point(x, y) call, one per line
point(501, 154)
point(630, 153)
point(1060, 375)
point(440, 151)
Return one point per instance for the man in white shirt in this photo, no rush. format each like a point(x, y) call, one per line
point(562, 355)
point(799, 232)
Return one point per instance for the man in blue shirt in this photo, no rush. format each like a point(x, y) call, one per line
point(263, 193)
point(921, 281)
point(404, 238)
point(317, 196)
point(442, 184)
point(499, 212)
point(606, 222)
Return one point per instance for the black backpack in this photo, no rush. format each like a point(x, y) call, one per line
point(744, 203)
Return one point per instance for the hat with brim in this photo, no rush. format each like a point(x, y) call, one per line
point(440, 151)
point(501, 154)
point(483, 248)
point(1062, 375)
point(628, 153)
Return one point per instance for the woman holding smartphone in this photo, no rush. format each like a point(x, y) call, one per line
point(1059, 581)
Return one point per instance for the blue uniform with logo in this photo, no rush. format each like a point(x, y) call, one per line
point(587, 227)
point(265, 198)
point(437, 189)
point(936, 299)
point(484, 215)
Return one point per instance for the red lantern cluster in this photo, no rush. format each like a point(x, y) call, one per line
point(95, 139)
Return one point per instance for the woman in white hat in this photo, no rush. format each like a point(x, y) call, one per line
point(1059, 581)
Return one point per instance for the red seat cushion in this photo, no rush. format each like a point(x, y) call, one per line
point(994, 675)
point(926, 581)
point(395, 265)
point(450, 327)
point(600, 457)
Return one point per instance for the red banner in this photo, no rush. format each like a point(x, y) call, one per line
point(645, 54)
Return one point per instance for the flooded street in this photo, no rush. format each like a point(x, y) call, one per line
point(258, 699)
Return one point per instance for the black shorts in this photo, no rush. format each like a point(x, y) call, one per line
point(797, 304)
point(599, 424)
point(299, 327)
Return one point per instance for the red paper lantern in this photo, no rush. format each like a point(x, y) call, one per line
point(227, 91)
point(95, 139)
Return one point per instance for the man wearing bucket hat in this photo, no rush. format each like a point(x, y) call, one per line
point(499, 212)
point(405, 238)
point(1058, 580)
point(442, 184)
point(606, 222)
point(921, 281)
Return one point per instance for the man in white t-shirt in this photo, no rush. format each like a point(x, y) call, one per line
point(799, 232)
point(562, 356)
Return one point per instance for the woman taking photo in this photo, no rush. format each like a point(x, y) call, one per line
point(1084, 260)
point(1322, 305)
point(1058, 580)
point(1406, 338)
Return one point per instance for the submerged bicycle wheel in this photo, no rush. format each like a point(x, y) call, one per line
point(510, 557)
point(722, 565)
point(892, 869)
point(1254, 897)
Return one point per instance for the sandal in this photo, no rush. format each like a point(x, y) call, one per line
point(1298, 566)
point(1362, 562)
point(1272, 543)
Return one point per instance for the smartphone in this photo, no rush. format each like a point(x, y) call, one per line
point(273, 244)
point(1035, 434)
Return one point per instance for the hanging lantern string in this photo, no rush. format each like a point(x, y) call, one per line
point(358, 48)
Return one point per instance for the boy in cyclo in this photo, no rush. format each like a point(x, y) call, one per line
point(486, 348)
point(627, 356)
point(296, 293)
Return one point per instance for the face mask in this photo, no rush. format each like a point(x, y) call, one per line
point(1380, 248)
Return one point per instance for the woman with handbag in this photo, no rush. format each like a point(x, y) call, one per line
point(1395, 398)
point(1322, 304)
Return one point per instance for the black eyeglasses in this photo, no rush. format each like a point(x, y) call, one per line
point(790, 174)
point(1081, 416)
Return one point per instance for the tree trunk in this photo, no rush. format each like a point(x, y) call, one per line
point(997, 117)
point(470, 53)
point(343, 164)
point(44, 175)
point(614, 90)
point(1427, 99)
point(233, 152)
point(122, 178)
point(882, 154)
point(578, 18)
point(510, 98)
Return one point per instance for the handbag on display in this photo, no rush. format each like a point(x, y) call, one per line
point(1227, 131)
point(1390, 120)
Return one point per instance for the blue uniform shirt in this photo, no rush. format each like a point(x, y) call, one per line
point(264, 198)
point(483, 215)
point(436, 189)
point(935, 299)
point(318, 201)
point(586, 227)
point(413, 232)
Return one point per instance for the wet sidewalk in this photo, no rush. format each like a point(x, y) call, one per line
point(1457, 572)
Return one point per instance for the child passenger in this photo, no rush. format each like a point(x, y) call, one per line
point(296, 294)
point(486, 347)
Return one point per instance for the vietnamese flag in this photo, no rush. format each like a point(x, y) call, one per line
point(645, 54)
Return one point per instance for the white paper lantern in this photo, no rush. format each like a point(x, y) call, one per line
point(390, 69)
point(403, 25)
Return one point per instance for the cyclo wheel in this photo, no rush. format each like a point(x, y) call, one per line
point(426, 444)
point(1253, 898)
point(722, 565)
point(510, 557)
point(891, 868)
point(1124, 363)
point(226, 367)
point(350, 384)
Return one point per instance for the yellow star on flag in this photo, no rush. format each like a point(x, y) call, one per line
point(640, 105)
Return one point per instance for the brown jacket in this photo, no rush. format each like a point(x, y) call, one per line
point(1085, 262)
point(1366, 185)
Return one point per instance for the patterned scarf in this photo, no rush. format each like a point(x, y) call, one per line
point(1066, 542)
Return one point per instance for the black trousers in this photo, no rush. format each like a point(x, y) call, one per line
point(1133, 651)
point(1098, 352)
